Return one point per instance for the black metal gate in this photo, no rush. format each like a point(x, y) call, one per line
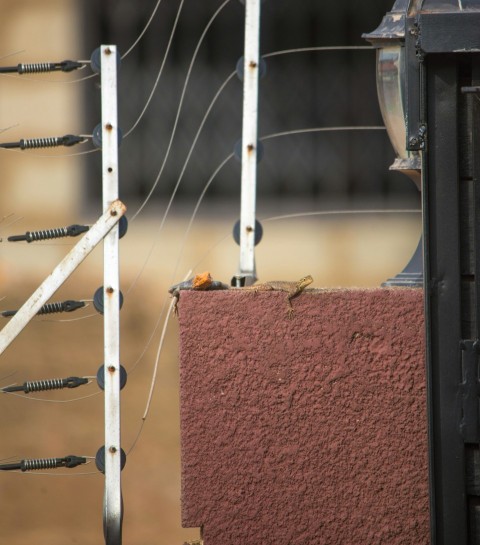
point(444, 119)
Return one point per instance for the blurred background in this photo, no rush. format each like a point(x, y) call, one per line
point(179, 77)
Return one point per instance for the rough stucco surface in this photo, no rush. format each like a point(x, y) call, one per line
point(304, 431)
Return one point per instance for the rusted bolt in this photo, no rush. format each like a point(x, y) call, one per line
point(109, 126)
point(253, 64)
point(113, 212)
point(250, 147)
point(249, 229)
point(110, 290)
point(112, 450)
point(108, 51)
point(112, 368)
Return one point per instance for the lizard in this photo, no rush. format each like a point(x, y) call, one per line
point(292, 288)
point(203, 281)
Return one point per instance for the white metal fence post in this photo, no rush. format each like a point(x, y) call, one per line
point(112, 516)
point(249, 140)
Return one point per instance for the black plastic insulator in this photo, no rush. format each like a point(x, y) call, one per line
point(96, 61)
point(240, 68)
point(69, 461)
point(101, 377)
point(49, 142)
point(48, 384)
point(258, 232)
point(100, 459)
point(51, 308)
point(48, 234)
point(122, 226)
point(237, 150)
point(98, 300)
point(97, 136)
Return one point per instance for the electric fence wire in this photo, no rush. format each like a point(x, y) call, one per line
point(179, 109)
point(160, 72)
point(218, 93)
point(145, 28)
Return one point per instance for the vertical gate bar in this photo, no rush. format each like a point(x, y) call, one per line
point(249, 140)
point(113, 495)
point(476, 189)
point(443, 311)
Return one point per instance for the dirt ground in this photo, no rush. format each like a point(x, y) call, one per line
point(66, 506)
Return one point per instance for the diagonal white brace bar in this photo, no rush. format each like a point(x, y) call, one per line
point(113, 512)
point(249, 140)
point(61, 272)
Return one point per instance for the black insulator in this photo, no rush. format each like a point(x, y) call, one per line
point(98, 300)
point(100, 459)
point(97, 136)
point(96, 61)
point(42, 67)
point(33, 236)
point(48, 384)
point(49, 142)
point(45, 463)
point(101, 377)
point(51, 308)
point(258, 232)
point(122, 226)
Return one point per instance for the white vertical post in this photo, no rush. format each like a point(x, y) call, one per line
point(112, 516)
point(249, 140)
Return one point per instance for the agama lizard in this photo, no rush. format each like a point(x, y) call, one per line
point(203, 281)
point(292, 288)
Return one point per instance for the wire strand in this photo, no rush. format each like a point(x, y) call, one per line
point(140, 36)
point(155, 368)
point(319, 48)
point(157, 179)
point(324, 129)
point(184, 167)
point(154, 88)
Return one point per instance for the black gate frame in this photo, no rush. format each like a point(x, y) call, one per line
point(443, 107)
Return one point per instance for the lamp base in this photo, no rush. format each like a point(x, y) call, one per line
point(412, 274)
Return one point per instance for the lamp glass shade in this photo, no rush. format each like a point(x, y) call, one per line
point(390, 76)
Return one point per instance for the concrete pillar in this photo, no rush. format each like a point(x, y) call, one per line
point(304, 431)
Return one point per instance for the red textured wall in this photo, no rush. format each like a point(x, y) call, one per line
point(304, 431)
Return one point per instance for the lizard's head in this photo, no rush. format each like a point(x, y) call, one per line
point(306, 280)
point(202, 281)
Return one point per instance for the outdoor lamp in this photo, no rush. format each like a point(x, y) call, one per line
point(389, 41)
